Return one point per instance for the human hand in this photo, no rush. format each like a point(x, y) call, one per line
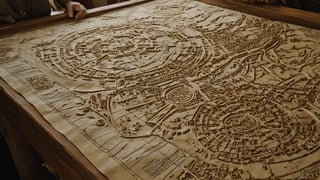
point(260, 1)
point(76, 10)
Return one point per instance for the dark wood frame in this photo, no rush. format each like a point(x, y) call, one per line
point(272, 12)
point(32, 140)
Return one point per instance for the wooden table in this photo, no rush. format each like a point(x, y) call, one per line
point(33, 141)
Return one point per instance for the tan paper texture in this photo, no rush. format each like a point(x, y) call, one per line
point(176, 90)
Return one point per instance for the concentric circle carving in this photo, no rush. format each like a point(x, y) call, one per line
point(251, 128)
point(179, 95)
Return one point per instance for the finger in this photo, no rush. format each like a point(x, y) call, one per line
point(76, 7)
point(84, 14)
point(70, 10)
point(81, 13)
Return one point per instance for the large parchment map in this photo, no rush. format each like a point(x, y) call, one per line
point(177, 90)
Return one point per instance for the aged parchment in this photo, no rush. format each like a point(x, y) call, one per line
point(177, 90)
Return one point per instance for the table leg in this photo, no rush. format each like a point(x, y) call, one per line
point(26, 159)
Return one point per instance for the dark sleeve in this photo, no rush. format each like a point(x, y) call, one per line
point(19, 10)
point(7, 13)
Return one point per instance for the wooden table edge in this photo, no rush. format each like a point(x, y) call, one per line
point(272, 12)
point(39, 123)
point(276, 13)
point(42, 21)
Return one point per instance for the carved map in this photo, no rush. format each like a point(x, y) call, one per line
point(177, 90)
